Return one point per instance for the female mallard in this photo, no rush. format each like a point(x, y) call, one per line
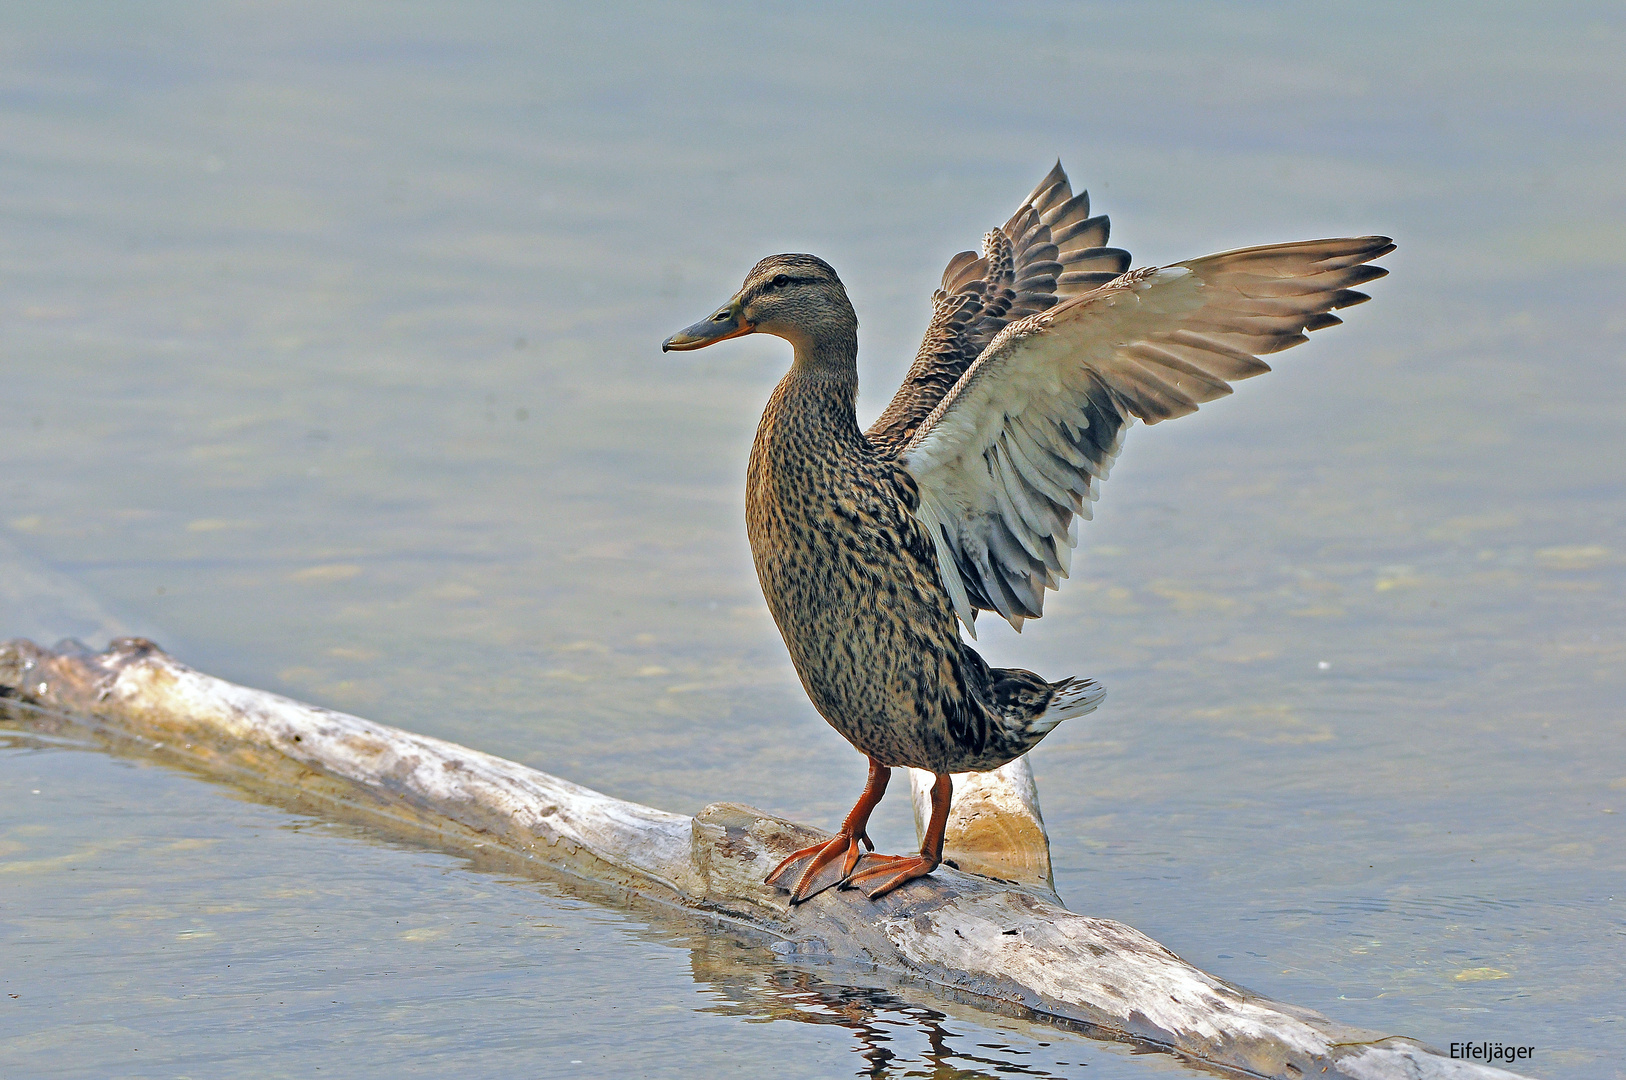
point(963, 495)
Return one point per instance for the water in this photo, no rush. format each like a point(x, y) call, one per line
point(330, 361)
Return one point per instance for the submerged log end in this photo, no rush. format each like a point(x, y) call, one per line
point(69, 676)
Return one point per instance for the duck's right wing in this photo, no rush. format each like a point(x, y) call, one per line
point(1050, 249)
point(1014, 451)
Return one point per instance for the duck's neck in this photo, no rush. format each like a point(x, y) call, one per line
point(823, 381)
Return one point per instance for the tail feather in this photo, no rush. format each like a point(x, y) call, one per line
point(1070, 698)
point(1015, 709)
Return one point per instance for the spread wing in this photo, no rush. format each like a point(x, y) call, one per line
point(1014, 452)
point(1050, 249)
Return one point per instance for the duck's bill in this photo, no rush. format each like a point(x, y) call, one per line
point(726, 324)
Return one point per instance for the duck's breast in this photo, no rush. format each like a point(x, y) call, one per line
point(851, 582)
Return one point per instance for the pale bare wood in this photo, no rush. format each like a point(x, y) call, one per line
point(995, 829)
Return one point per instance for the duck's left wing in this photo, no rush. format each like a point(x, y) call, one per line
point(1015, 450)
point(1050, 249)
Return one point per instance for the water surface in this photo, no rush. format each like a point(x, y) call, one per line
point(330, 356)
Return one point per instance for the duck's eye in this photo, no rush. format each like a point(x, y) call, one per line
point(779, 281)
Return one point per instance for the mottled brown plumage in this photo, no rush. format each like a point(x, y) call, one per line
point(873, 548)
point(851, 580)
point(849, 574)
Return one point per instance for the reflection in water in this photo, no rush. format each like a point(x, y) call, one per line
point(894, 1037)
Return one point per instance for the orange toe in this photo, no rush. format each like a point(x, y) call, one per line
point(877, 875)
point(808, 872)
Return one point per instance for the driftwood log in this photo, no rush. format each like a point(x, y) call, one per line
point(1009, 941)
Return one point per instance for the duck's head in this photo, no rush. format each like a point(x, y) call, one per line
point(796, 297)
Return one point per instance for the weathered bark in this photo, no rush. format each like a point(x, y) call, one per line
point(1008, 942)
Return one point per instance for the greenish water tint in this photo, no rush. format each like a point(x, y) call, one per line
point(330, 360)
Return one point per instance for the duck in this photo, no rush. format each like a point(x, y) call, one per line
point(876, 548)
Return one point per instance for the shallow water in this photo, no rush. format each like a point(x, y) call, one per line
point(330, 361)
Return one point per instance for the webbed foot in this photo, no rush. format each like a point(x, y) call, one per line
point(877, 875)
point(808, 872)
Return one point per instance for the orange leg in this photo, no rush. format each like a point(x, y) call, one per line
point(812, 870)
point(878, 875)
